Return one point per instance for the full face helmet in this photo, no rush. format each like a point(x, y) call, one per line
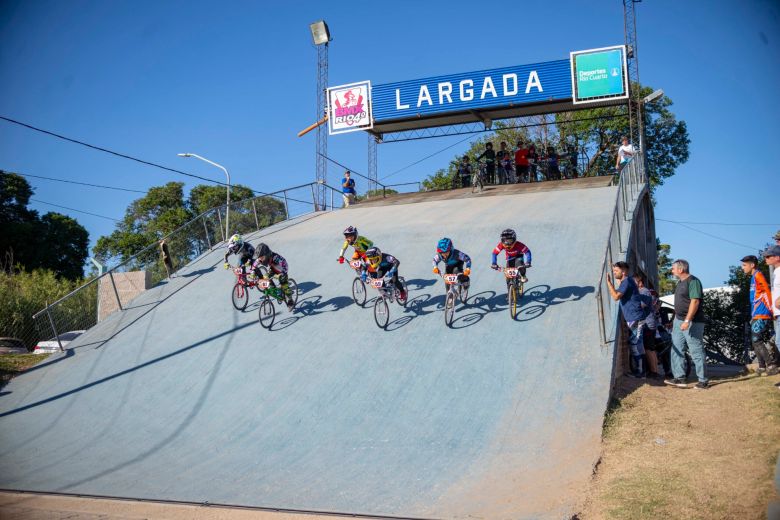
point(508, 237)
point(444, 247)
point(235, 241)
point(374, 257)
point(351, 234)
point(263, 252)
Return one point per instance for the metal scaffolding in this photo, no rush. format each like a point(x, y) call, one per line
point(632, 50)
point(372, 152)
point(321, 142)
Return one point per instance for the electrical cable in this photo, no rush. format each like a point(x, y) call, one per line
point(715, 223)
point(73, 209)
point(713, 236)
point(426, 157)
point(76, 182)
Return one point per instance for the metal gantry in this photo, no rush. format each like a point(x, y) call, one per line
point(632, 49)
point(372, 162)
point(321, 151)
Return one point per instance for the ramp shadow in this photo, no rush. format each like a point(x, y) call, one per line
point(305, 287)
point(419, 283)
point(283, 324)
point(197, 273)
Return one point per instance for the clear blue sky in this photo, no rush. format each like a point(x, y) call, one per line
point(235, 82)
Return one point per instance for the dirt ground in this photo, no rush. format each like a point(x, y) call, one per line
point(687, 453)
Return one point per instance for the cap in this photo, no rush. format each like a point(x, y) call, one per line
point(750, 258)
point(772, 251)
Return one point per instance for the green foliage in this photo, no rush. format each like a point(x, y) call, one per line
point(202, 197)
point(22, 294)
point(665, 279)
point(441, 180)
point(53, 241)
point(372, 194)
point(725, 330)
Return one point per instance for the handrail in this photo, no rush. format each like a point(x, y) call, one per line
point(175, 231)
point(351, 170)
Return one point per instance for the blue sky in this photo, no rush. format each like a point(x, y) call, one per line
point(235, 81)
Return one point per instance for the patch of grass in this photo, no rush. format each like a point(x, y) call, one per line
point(644, 494)
point(12, 365)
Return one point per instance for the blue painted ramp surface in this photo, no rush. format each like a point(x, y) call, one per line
point(182, 397)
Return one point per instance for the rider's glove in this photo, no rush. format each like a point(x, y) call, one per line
point(494, 266)
point(227, 265)
point(467, 271)
point(341, 259)
point(435, 270)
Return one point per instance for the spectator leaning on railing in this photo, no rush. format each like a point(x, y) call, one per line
point(348, 189)
point(490, 163)
point(761, 329)
point(464, 172)
point(625, 153)
point(521, 162)
point(688, 328)
point(635, 308)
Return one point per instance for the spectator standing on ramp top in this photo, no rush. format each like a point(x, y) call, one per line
point(166, 258)
point(464, 172)
point(626, 152)
point(635, 309)
point(348, 189)
point(761, 330)
point(688, 327)
point(521, 162)
point(490, 163)
point(504, 158)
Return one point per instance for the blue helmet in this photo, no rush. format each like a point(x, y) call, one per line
point(444, 246)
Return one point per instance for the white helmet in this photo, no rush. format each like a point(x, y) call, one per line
point(236, 241)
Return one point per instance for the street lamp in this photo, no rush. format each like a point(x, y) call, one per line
point(227, 207)
point(647, 99)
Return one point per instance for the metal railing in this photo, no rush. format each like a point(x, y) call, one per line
point(632, 187)
point(101, 296)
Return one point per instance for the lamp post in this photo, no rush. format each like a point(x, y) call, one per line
point(227, 207)
point(647, 99)
point(320, 35)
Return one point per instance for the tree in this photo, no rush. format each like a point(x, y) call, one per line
point(202, 197)
point(54, 241)
point(600, 129)
point(666, 281)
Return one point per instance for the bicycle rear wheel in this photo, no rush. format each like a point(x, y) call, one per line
point(293, 286)
point(266, 314)
point(402, 301)
point(463, 294)
point(513, 301)
point(240, 296)
point(381, 312)
point(359, 291)
point(449, 308)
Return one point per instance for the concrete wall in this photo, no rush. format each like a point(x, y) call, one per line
point(128, 285)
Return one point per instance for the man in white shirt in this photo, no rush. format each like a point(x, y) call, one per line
point(625, 153)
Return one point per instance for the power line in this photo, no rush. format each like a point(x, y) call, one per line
point(426, 157)
point(77, 210)
point(713, 236)
point(76, 182)
point(715, 223)
point(101, 149)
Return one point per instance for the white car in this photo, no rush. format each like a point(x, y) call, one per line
point(51, 346)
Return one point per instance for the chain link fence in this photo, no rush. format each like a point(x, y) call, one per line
point(114, 290)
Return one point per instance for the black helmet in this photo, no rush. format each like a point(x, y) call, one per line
point(263, 250)
point(508, 235)
point(351, 231)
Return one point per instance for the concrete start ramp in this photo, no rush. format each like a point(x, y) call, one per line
point(181, 397)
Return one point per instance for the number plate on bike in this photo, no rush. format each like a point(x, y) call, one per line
point(356, 264)
point(511, 272)
point(264, 284)
point(376, 283)
point(450, 279)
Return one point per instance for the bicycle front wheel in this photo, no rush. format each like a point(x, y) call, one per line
point(240, 297)
point(381, 312)
point(359, 291)
point(513, 301)
point(449, 308)
point(267, 313)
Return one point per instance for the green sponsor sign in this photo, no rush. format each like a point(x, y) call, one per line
point(598, 74)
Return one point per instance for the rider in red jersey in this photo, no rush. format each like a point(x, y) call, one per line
point(517, 254)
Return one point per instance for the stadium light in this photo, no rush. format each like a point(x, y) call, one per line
point(319, 32)
point(227, 207)
point(652, 97)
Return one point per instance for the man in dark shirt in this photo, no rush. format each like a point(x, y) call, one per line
point(490, 163)
point(635, 307)
point(688, 328)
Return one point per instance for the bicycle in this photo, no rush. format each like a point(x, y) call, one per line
point(358, 287)
point(391, 294)
point(516, 287)
point(267, 312)
point(454, 289)
point(240, 293)
point(478, 177)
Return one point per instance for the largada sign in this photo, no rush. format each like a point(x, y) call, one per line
point(599, 74)
point(349, 108)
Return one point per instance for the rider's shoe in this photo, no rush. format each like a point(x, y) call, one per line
point(402, 295)
point(523, 279)
point(290, 304)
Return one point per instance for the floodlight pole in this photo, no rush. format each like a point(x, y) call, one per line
point(321, 142)
point(227, 175)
